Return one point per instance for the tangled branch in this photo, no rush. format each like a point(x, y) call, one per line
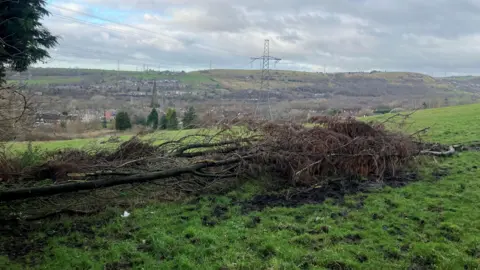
point(16, 111)
point(293, 154)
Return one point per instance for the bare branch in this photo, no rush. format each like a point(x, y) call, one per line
point(56, 189)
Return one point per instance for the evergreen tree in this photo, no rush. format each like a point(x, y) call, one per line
point(172, 121)
point(122, 121)
point(152, 119)
point(25, 41)
point(189, 118)
point(163, 122)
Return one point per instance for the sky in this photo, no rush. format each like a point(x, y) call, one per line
point(436, 37)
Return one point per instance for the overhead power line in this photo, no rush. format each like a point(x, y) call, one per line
point(111, 21)
point(265, 79)
point(112, 59)
point(266, 58)
point(63, 17)
point(126, 25)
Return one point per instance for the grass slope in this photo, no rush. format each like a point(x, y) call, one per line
point(455, 124)
point(429, 224)
point(44, 80)
point(158, 137)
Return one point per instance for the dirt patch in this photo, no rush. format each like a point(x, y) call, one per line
point(439, 173)
point(391, 254)
point(334, 189)
point(295, 229)
point(218, 213)
point(118, 265)
point(253, 222)
point(208, 221)
point(336, 265)
point(394, 230)
point(353, 238)
point(15, 241)
point(424, 261)
point(19, 238)
point(350, 239)
point(361, 258)
point(474, 251)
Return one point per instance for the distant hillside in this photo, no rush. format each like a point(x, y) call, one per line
point(349, 87)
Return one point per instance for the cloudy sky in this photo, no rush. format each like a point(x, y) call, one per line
point(432, 36)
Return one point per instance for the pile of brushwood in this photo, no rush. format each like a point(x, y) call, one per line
point(288, 153)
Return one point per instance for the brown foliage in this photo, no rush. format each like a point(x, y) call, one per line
point(349, 126)
point(339, 148)
point(132, 149)
point(294, 154)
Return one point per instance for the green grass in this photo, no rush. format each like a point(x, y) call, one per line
point(157, 138)
point(455, 124)
point(49, 80)
point(432, 223)
point(188, 78)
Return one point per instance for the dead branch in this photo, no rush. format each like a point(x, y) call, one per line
point(421, 131)
point(403, 116)
point(207, 175)
point(181, 151)
point(183, 139)
point(450, 152)
point(292, 154)
point(56, 189)
point(16, 111)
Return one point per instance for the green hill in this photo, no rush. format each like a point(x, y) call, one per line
point(351, 90)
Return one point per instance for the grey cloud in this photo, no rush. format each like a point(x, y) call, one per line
point(345, 34)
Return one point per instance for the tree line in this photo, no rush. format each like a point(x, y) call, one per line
point(167, 121)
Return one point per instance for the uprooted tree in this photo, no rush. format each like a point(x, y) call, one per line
point(292, 155)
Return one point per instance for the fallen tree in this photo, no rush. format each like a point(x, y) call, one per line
point(56, 189)
point(292, 154)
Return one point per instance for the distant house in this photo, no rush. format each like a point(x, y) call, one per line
point(110, 115)
point(88, 117)
point(48, 118)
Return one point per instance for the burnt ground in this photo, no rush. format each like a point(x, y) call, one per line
point(333, 190)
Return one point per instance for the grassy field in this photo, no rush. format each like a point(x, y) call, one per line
point(193, 78)
point(428, 224)
point(157, 138)
point(43, 80)
point(456, 124)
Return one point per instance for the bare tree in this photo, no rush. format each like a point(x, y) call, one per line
point(16, 112)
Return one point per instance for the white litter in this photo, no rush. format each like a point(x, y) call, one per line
point(125, 214)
